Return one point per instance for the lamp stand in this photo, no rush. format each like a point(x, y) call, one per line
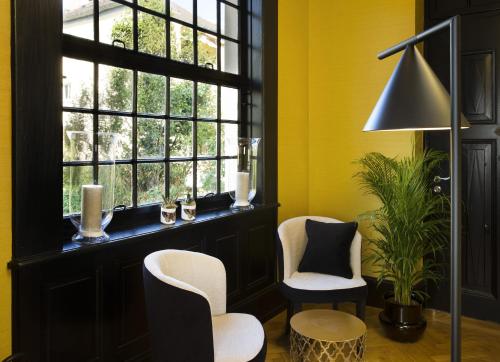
point(453, 24)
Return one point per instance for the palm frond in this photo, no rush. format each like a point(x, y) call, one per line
point(411, 226)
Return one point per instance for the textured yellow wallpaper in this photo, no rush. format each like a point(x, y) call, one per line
point(327, 54)
point(293, 119)
point(5, 180)
point(345, 81)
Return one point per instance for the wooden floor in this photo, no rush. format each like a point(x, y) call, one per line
point(480, 340)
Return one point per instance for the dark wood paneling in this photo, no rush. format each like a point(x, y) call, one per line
point(478, 244)
point(227, 249)
point(478, 75)
point(481, 175)
point(73, 320)
point(445, 8)
point(37, 124)
point(259, 255)
point(133, 324)
point(87, 304)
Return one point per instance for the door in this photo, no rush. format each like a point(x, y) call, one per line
point(480, 172)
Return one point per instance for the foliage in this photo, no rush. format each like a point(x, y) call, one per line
point(169, 202)
point(412, 223)
point(151, 98)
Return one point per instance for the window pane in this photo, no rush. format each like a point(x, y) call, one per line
point(123, 185)
point(150, 138)
point(122, 126)
point(115, 88)
point(207, 139)
point(150, 182)
point(228, 175)
point(78, 83)
point(235, 2)
point(181, 43)
point(77, 148)
point(228, 139)
point(182, 10)
point(181, 139)
point(181, 97)
point(78, 18)
point(151, 97)
point(116, 24)
point(156, 5)
point(229, 21)
point(151, 38)
point(229, 56)
point(206, 177)
point(207, 50)
point(207, 14)
point(181, 179)
point(207, 101)
point(73, 179)
point(229, 103)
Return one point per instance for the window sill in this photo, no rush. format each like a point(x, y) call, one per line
point(133, 234)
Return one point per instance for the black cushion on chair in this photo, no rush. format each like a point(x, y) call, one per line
point(328, 249)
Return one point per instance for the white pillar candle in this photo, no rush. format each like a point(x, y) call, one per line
point(242, 186)
point(91, 211)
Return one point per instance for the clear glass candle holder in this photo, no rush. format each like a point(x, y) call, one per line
point(245, 175)
point(91, 204)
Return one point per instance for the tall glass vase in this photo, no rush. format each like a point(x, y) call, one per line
point(91, 204)
point(246, 174)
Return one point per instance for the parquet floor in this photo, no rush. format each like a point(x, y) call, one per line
point(480, 340)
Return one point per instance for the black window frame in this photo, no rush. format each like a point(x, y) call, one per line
point(38, 46)
point(91, 50)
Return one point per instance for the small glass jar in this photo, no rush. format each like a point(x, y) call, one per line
point(168, 215)
point(188, 209)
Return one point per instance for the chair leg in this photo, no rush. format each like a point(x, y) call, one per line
point(360, 309)
point(335, 305)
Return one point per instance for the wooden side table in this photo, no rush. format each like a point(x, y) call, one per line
point(326, 335)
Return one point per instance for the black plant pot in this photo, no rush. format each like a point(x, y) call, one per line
point(402, 323)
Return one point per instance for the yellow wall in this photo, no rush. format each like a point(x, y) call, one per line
point(5, 180)
point(342, 82)
point(293, 165)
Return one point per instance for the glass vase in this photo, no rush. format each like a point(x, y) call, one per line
point(246, 174)
point(91, 204)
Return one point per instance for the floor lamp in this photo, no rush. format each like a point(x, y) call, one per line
point(415, 99)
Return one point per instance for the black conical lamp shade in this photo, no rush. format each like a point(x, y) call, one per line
point(413, 99)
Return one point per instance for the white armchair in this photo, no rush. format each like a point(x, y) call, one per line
point(308, 287)
point(186, 304)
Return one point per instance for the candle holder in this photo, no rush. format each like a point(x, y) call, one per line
point(246, 174)
point(91, 202)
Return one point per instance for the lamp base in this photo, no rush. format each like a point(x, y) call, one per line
point(86, 240)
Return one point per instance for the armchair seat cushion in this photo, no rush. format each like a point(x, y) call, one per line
point(317, 281)
point(237, 337)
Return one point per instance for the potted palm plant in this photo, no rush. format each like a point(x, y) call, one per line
point(410, 230)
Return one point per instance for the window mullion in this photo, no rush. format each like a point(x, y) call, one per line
point(167, 138)
point(134, 140)
point(195, 138)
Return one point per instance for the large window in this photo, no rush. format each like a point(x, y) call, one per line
point(172, 95)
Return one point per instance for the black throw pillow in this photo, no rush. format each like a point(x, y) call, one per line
point(328, 249)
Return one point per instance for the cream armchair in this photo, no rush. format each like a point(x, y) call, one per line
point(300, 287)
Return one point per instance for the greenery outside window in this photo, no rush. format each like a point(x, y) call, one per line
point(177, 131)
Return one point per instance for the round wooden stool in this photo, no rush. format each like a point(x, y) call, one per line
point(326, 335)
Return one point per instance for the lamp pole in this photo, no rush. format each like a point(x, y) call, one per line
point(453, 24)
